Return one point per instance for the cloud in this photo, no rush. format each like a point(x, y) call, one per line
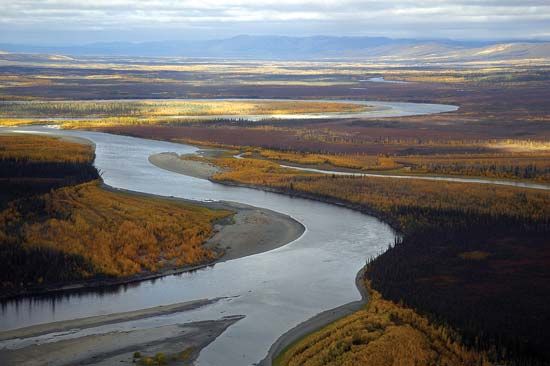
point(48, 20)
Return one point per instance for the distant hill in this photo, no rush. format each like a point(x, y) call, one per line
point(305, 48)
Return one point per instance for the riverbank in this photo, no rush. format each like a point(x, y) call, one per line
point(109, 339)
point(400, 204)
point(379, 334)
point(317, 322)
point(78, 140)
point(204, 170)
point(172, 162)
point(250, 230)
point(176, 342)
point(460, 230)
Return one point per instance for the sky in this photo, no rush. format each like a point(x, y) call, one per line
point(63, 22)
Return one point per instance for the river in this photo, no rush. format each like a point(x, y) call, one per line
point(498, 182)
point(275, 290)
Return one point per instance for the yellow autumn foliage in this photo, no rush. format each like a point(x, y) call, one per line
point(119, 233)
point(114, 233)
point(386, 194)
point(382, 334)
point(44, 149)
point(348, 161)
point(114, 113)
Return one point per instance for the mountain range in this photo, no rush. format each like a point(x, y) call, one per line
point(305, 48)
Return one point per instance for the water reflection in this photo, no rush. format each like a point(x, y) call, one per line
point(100, 291)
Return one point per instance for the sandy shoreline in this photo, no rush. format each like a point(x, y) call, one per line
point(317, 322)
point(254, 230)
point(115, 346)
point(95, 321)
point(251, 230)
point(179, 343)
point(329, 316)
point(172, 162)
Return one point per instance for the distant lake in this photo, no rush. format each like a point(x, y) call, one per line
point(382, 80)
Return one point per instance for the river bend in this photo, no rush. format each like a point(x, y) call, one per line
point(275, 290)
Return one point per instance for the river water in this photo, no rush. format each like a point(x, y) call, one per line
point(275, 290)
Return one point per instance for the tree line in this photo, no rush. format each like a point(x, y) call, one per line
point(57, 224)
point(471, 257)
